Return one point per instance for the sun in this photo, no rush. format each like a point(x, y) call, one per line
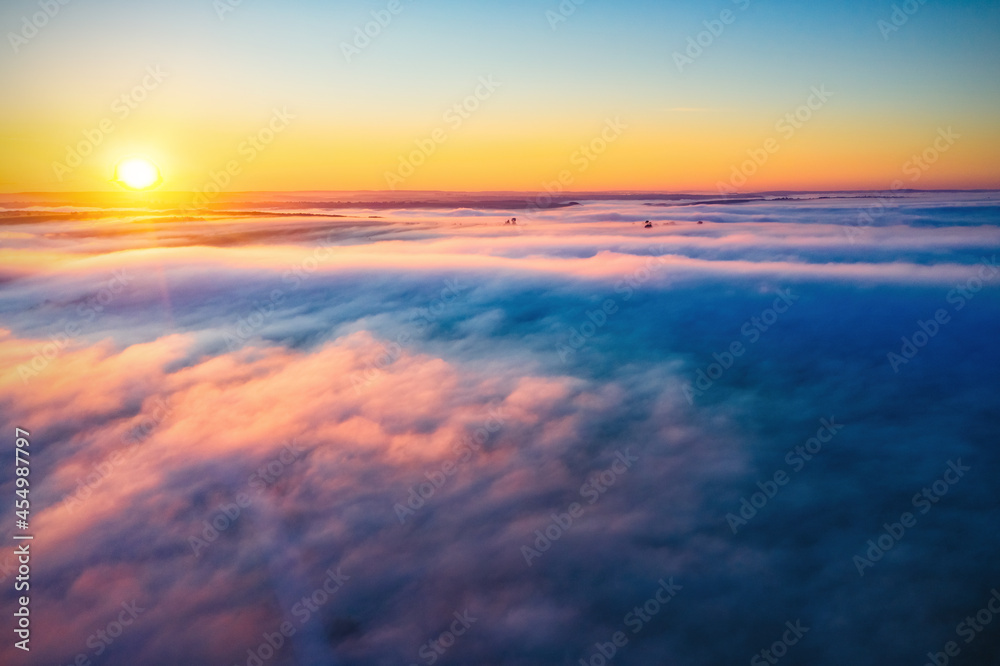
point(137, 173)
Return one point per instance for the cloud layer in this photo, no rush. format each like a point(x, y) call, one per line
point(361, 426)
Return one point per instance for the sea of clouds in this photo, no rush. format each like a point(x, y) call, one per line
point(416, 435)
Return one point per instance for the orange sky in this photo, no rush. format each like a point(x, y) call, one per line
point(271, 96)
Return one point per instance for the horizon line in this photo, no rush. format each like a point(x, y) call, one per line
point(532, 192)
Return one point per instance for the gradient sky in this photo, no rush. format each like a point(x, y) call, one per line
point(353, 120)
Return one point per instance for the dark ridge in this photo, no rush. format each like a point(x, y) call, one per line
point(712, 202)
point(30, 216)
point(382, 205)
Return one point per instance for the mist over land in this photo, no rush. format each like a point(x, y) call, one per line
point(521, 432)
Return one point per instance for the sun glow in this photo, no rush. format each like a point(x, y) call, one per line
point(137, 173)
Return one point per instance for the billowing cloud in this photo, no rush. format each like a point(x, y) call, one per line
point(432, 436)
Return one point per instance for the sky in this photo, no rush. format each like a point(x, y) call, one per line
point(353, 374)
point(351, 113)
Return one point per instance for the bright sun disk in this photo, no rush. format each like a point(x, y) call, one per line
point(137, 173)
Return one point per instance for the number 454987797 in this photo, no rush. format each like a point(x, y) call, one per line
point(21, 469)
